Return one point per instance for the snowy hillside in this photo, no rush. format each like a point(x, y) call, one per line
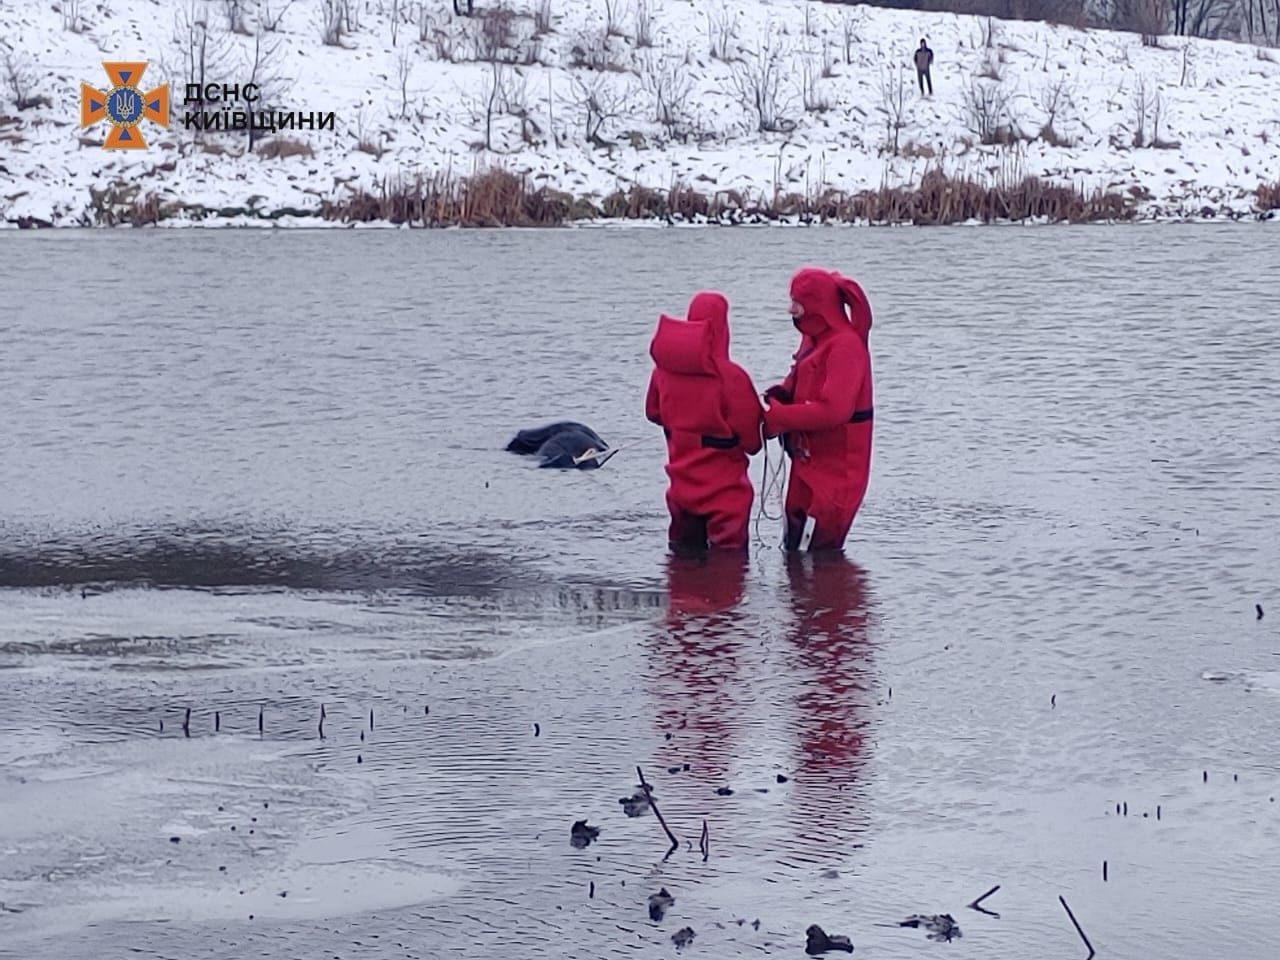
point(591, 97)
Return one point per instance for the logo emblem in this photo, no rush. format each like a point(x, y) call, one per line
point(124, 106)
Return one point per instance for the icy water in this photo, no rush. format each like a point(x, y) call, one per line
point(260, 476)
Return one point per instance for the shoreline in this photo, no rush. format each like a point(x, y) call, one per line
point(499, 199)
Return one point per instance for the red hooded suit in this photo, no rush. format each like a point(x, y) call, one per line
point(824, 409)
point(708, 409)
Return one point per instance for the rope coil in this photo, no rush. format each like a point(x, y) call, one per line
point(772, 484)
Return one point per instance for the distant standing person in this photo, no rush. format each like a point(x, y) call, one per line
point(924, 60)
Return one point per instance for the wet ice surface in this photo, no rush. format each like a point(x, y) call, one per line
point(1043, 640)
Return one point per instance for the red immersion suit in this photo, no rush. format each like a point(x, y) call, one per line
point(824, 410)
point(708, 409)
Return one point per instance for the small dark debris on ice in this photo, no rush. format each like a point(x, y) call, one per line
point(580, 835)
point(725, 791)
point(818, 941)
point(636, 804)
point(941, 926)
point(659, 903)
point(683, 937)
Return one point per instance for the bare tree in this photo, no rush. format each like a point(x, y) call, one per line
point(263, 70)
point(893, 99)
point(204, 51)
point(404, 67)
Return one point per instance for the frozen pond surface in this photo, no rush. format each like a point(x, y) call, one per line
point(261, 475)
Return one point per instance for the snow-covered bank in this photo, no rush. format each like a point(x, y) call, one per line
point(593, 97)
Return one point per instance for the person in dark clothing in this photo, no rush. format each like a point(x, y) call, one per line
point(924, 60)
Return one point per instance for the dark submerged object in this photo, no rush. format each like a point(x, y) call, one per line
point(559, 444)
point(636, 804)
point(580, 835)
point(683, 937)
point(658, 904)
point(941, 926)
point(817, 941)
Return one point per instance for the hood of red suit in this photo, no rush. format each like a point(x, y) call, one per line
point(824, 296)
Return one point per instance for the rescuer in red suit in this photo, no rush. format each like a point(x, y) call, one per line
point(709, 411)
point(823, 410)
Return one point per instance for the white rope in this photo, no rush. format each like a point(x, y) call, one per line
point(610, 451)
point(771, 486)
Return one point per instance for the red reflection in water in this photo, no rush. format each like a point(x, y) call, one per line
point(830, 659)
point(696, 661)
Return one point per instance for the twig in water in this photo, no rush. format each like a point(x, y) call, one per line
point(371, 719)
point(259, 721)
point(704, 843)
point(644, 784)
point(322, 721)
point(1076, 924)
point(976, 903)
point(217, 721)
point(186, 723)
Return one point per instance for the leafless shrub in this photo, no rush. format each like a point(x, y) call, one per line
point(542, 18)
point(893, 100)
point(370, 142)
point(986, 108)
point(593, 49)
point(600, 101)
point(21, 80)
point(722, 29)
point(393, 19)
point(816, 100)
point(237, 12)
point(992, 69)
point(1143, 101)
point(850, 34)
point(497, 38)
point(810, 28)
point(643, 24)
point(72, 19)
point(669, 86)
point(829, 62)
point(989, 33)
point(272, 13)
point(1055, 97)
point(1269, 196)
point(281, 148)
point(758, 80)
point(334, 16)
point(923, 151)
point(613, 19)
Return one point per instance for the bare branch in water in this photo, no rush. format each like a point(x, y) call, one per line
point(644, 784)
